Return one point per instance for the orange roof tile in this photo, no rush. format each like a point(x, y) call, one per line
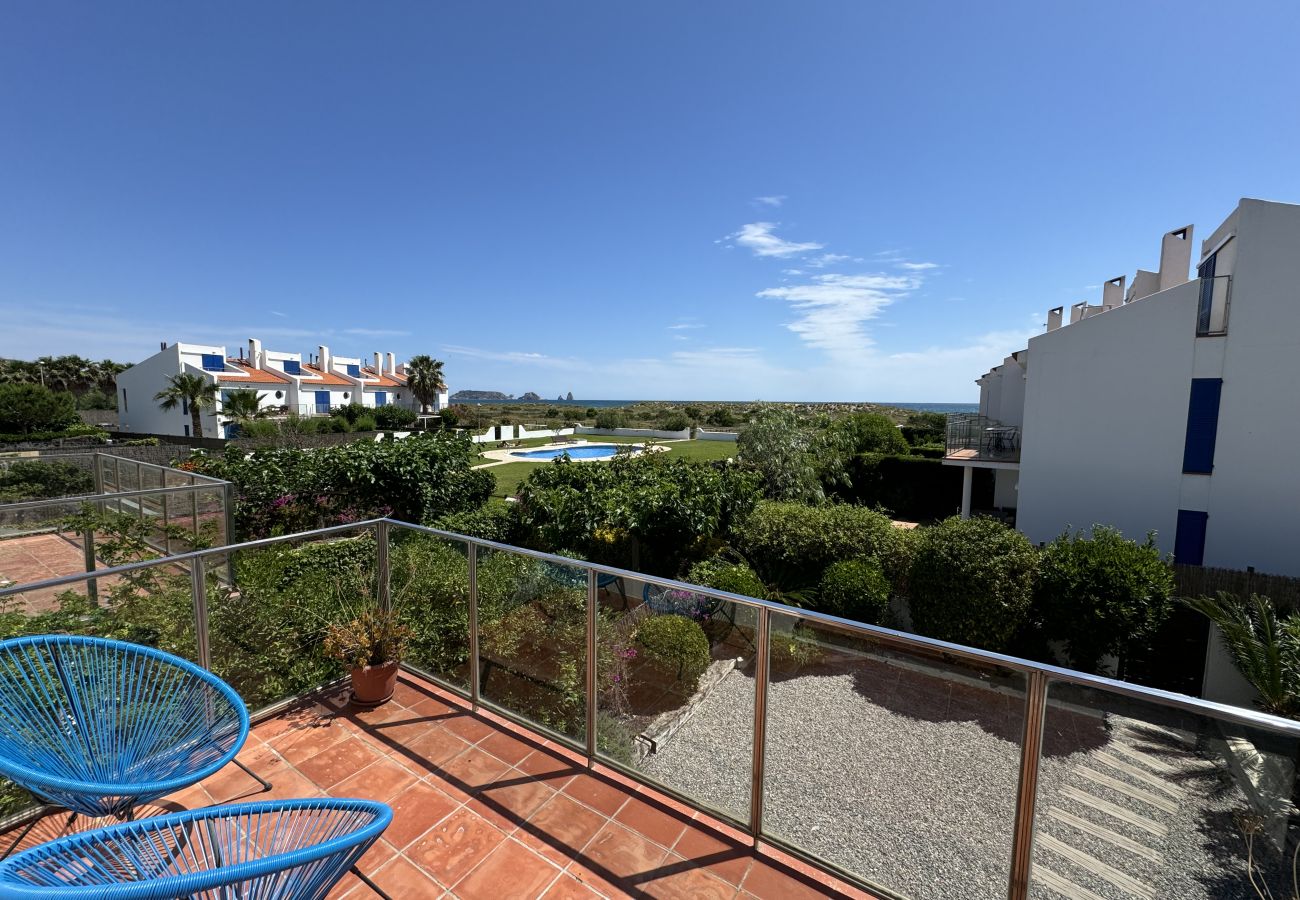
point(252, 375)
point(382, 380)
point(315, 375)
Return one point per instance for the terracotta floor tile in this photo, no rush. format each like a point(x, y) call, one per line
point(767, 882)
point(616, 859)
point(510, 872)
point(468, 726)
point(455, 846)
point(303, 743)
point(474, 771)
point(659, 825)
point(727, 859)
point(435, 708)
point(415, 811)
point(567, 887)
point(335, 763)
point(564, 821)
point(401, 878)
point(686, 882)
point(506, 747)
point(434, 750)
point(600, 795)
point(555, 770)
point(381, 780)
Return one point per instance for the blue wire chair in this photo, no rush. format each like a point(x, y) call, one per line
point(271, 850)
point(99, 726)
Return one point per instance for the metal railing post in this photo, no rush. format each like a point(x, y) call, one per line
point(194, 509)
point(592, 599)
point(88, 548)
point(228, 506)
point(382, 568)
point(199, 593)
point(1031, 750)
point(761, 668)
point(166, 520)
point(117, 480)
point(473, 626)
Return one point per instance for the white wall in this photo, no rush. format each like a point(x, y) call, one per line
point(637, 432)
point(702, 435)
point(1105, 420)
point(139, 412)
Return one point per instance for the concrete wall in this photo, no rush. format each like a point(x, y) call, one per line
point(1105, 420)
point(683, 435)
point(702, 435)
point(523, 432)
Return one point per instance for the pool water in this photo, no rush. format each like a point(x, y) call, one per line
point(583, 451)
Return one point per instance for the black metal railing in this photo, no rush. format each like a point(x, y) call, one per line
point(979, 437)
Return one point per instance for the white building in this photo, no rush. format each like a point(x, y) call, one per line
point(1169, 409)
point(284, 381)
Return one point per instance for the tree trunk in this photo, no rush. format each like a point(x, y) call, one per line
point(196, 418)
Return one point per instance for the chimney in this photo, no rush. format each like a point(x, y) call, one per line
point(1175, 257)
point(1054, 318)
point(1076, 311)
point(162, 345)
point(392, 364)
point(1112, 293)
point(379, 363)
point(323, 362)
point(255, 353)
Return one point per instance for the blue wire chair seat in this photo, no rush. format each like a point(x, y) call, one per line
point(270, 850)
point(99, 726)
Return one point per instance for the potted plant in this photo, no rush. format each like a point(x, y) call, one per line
point(372, 643)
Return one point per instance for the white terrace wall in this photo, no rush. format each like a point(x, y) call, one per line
point(525, 432)
point(683, 435)
point(702, 435)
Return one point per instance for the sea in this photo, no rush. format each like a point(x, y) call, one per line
point(598, 404)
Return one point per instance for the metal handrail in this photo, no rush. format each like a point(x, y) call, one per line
point(1038, 676)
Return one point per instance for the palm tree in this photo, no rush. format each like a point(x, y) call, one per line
point(424, 378)
point(1265, 649)
point(192, 391)
point(242, 406)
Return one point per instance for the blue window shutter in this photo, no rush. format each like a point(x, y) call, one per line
point(1189, 539)
point(212, 362)
point(381, 398)
point(354, 371)
point(292, 367)
point(1202, 425)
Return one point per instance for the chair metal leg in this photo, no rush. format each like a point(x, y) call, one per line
point(266, 785)
point(370, 884)
point(72, 817)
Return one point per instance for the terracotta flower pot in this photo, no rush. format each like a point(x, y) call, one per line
point(373, 685)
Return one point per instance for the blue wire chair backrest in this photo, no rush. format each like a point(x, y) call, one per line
point(98, 725)
point(271, 850)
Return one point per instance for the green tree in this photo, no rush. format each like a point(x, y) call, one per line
point(972, 582)
point(866, 433)
point(609, 419)
point(1265, 649)
point(792, 456)
point(425, 379)
point(1101, 593)
point(193, 392)
point(242, 406)
point(27, 408)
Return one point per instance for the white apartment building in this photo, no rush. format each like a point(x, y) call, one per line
point(1167, 408)
point(285, 383)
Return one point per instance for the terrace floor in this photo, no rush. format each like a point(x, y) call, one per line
point(485, 809)
point(40, 557)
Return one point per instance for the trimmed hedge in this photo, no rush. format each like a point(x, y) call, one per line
point(855, 589)
point(677, 643)
point(972, 582)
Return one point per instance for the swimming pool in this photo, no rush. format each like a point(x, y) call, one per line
point(581, 451)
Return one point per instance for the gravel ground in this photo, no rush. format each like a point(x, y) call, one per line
point(924, 805)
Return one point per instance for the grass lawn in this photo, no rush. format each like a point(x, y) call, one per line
point(510, 475)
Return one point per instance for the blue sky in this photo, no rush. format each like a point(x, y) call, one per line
point(724, 200)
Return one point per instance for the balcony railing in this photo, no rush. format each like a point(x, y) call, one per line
point(979, 437)
point(910, 766)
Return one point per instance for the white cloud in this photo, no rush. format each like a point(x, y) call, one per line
point(519, 357)
point(833, 308)
point(758, 237)
point(770, 200)
point(917, 266)
point(826, 259)
point(792, 271)
point(685, 326)
point(276, 312)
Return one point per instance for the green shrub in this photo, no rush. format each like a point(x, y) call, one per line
point(609, 419)
point(792, 456)
point(694, 413)
point(721, 416)
point(790, 545)
point(1100, 594)
point(349, 412)
point(492, 522)
point(32, 408)
point(334, 425)
point(365, 423)
point(925, 428)
point(972, 582)
point(675, 422)
point(854, 589)
point(395, 418)
point(909, 487)
point(735, 578)
point(30, 480)
point(866, 433)
point(677, 643)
